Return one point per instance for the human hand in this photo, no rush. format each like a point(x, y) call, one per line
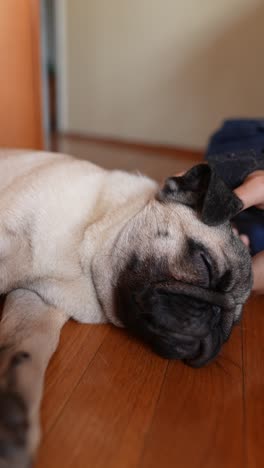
point(258, 273)
point(251, 192)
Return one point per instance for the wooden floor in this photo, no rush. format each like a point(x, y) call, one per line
point(110, 403)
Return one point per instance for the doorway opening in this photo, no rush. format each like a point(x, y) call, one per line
point(49, 69)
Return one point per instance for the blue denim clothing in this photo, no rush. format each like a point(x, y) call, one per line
point(236, 150)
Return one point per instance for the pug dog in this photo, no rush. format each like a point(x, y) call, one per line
point(81, 242)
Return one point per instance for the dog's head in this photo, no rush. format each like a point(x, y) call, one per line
point(181, 276)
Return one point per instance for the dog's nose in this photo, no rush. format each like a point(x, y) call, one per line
point(187, 349)
point(216, 316)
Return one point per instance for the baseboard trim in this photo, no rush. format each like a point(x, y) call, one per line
point(167, 150)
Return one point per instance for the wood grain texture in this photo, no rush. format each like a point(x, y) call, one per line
point(114, 404)
point(78, 345)
point(253, 350)
point(20, 82)
point(199, 419)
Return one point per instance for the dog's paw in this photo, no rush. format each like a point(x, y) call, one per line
point(13, 431)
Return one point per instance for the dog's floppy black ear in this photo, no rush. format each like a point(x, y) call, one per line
point(205, 192)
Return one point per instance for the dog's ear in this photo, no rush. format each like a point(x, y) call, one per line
point(205, 192)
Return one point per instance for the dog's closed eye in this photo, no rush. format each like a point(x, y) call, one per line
point(202, 261)
point(208, 265)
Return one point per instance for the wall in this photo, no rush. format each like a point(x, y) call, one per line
point(161, 71)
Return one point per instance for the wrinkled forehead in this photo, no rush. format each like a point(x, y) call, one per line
point(173, 236)
point(167, 227)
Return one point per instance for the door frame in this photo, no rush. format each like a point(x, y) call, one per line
point(61, 64)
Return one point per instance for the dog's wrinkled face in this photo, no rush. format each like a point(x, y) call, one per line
point(185, 276)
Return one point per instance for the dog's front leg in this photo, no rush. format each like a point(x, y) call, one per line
point(29, 334)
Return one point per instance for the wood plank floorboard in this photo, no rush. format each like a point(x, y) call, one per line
point(253, 350)
point(199, 418)
point(105, 420)
point(78, 345)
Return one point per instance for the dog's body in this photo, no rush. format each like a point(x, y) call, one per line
point(78, 203)
point(80, 242)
